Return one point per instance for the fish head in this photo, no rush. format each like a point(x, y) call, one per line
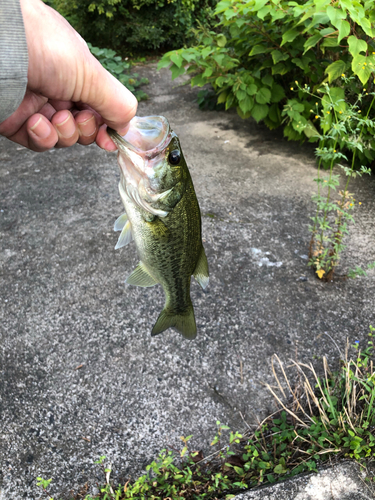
point(151, 164)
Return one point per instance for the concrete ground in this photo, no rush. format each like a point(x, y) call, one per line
point(80, 374)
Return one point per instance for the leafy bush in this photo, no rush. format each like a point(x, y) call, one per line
point(120, 70)
point(135, 26)
point(264, 46)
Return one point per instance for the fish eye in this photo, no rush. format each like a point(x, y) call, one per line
point(174, 157)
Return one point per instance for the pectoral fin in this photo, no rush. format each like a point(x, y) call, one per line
point(201, 270)
point(141, 277)
point(125, 236)
point(120, 222)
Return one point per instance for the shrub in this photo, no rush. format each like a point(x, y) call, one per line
point(135, 26)
point(264, 46)
point(120, 70)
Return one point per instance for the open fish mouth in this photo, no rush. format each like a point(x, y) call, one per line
point(141, 154)
point(147, 136)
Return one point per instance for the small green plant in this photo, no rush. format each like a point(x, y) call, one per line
point(342, 124)
point(44, 483)
point(120, 69)
point(330, 416)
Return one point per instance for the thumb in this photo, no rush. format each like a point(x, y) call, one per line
point(111, 99)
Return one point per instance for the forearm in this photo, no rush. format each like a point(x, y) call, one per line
point(13, 58)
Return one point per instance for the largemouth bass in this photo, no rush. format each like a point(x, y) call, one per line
point(162, 217)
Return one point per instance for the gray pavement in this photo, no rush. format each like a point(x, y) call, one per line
point(80, 374)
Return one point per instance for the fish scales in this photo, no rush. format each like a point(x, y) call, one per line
point(167, 229)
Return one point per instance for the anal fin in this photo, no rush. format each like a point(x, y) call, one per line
point(141, 277)
point(201, 270)
point(125, 236)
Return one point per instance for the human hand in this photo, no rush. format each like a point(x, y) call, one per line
point(70, 97)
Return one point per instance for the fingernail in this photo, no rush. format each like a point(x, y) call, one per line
point(123, 131)
point(87, 127)
point(110, 146)
point(66, 128)
point(41, 129)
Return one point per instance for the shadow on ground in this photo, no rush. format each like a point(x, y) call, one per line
point(80, 375)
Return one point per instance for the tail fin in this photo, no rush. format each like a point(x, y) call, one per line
point(183, 323)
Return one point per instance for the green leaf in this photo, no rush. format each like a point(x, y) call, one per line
point(310, 130)
point(277, 93)
point(246, 104)
point(259, 112)
point(221, 40)
point(278, 56)
point(274, 113)
point(363, 66)
point(258, 49)
point(263, 95)
point(311, 42)
point(222, 97)
point(335, 70)
point(289, 36)
point(279, 469)
point(344, 30)
point(356, 45)
point(164, 62)
point(196, 81)
point(335, 15)
point(259, 4)
point(176, 57)
point(330, 41)
point(252, 89)
point(242, 115)
point(264, 11)
point(241, 94)
point(280, 69)
point(366, 26)
point(267, 80)
point(176, 71)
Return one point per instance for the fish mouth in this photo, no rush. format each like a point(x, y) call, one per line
point(147, 136)
point(141, 151)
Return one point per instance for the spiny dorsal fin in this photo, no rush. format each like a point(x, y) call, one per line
point(120, 222)
point(125, 236)
point(201, 270)
point(141, 277)
point(183, 323)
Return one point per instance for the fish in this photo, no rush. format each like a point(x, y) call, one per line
point(162, 217)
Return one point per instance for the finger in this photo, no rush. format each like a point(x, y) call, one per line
point(104, 141)
point(41, 135)
point(30, 105)
point(87, 126)
point(106, 95)
point(66, 128)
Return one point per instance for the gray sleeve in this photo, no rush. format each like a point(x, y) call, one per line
point(13, 58)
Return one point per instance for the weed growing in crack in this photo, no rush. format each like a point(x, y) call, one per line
point(329, 417)
point(343, 122)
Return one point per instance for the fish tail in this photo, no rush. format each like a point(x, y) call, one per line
point(184, 323)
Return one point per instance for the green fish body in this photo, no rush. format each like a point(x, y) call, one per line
point(162, 217)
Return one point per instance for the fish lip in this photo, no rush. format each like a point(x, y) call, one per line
point(148, 154)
